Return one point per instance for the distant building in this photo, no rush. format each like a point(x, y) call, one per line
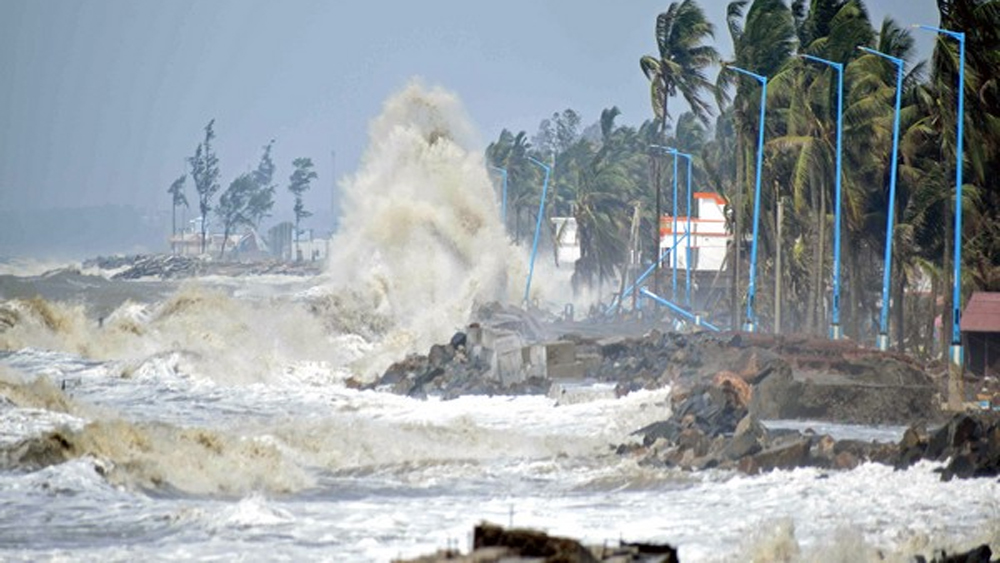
point(567, 240)
point(280, 240)
point(247, 244)
point(709, 236)
point(980, 326)
point(310, 248)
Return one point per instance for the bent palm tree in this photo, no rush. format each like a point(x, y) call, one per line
point(679, 66)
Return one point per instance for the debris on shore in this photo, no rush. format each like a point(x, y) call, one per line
point(494, 544)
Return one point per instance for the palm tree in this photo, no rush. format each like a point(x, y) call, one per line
point(807, 97)
point(510, 152)
point(763, 42)
point(178, 199)
point(604, 189)
point(681, 61)
point(678, 67)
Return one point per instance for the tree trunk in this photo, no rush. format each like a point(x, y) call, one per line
point(929, 344)
point(946, 314)
point(779, 212)
point(734, 290)
point(900, 307)
point(173, 229)
point(817, 261)
point(225, 238)
point(820, 269)
point(298, 253)
point(854, 293)
point(203, 239)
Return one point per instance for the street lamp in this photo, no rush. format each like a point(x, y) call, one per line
point(675, 153)
point(538, 227)
point(503, 206)
point(687, 255)
point(835, 330)
point(883, 336)
point(956, 310)
point(751, 322)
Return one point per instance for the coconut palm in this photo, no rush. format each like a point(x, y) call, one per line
point(178, 199)
point(681, 60)
point(679, 65)
point(763, 42)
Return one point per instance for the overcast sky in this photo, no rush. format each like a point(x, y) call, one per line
point(101, 101)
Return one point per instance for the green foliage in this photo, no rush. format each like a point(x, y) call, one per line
point(248, 199)
point(178, 199)
point(205, 173)
point(176, 192)
point(262, 198)
point(681, 60)
point(602, 174)
point(298, 184)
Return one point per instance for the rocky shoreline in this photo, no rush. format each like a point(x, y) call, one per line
point(494, 544)
point(725, 385)
point(173, 266)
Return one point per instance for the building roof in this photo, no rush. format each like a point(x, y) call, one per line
point(982, 313)
point(710, 195)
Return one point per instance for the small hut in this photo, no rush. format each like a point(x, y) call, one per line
point(980, 326)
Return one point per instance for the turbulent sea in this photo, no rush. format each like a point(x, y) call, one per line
point(210, 420)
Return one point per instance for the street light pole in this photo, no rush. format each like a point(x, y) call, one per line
point(955, 353)
point(687, 255)
point(955, 394)
point(676, 153)
point(538, 228)
point(673, 253)
point(835, 330)
point(503, 206)
point(883, 337)
point(751, 322)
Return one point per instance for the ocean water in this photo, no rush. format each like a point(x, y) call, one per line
point(210, 419)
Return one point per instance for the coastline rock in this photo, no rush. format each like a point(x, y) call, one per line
point(981, 554)
point(494, 544)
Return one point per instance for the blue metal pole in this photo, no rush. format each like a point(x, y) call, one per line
point(673, 253)
point(676, 153)
point(751, 322)
point(836, 332)
point(687, 256)
point(883, 337)
point(503, 206)
point(956, 296)
point(955, 351)
point(679, 311)
point(638, 282)
point(538, 229)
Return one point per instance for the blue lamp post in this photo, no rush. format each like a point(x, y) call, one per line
point(538, 227)
point(751, 321)
point(503, 206)
point(883, 336)
point(673, 258)
point(835, 330)
point(687, 254)
point(955, 353)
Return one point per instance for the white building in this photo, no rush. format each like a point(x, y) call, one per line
point(567, 239)
point(709, 236)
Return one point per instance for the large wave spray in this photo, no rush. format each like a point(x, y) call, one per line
point(421, 241)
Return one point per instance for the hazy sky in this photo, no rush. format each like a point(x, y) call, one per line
point(101, 101)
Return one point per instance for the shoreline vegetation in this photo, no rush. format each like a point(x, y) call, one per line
point(604, 173)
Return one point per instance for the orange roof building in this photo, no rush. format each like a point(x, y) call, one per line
point(710, 235)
